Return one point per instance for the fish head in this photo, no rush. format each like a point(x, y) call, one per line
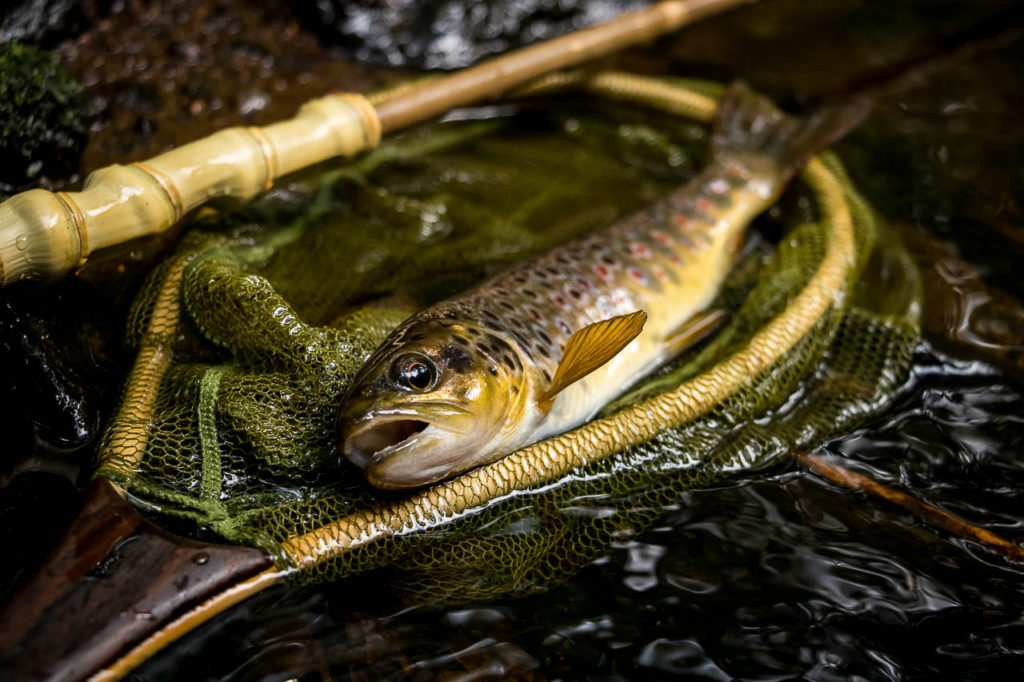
point(437, 398)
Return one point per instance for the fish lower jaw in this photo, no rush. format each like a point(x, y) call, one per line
point(371, 445)
point(382, 477)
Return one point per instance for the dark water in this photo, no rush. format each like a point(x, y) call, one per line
point(775, 578)
point(782, 576)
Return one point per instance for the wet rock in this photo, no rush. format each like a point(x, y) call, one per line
point(448, 34)
point(163, 73)
point(35, 508)
point(41, 22)
point(48, 360)
point(187, 51)
point(44, 118)
point(139, 98)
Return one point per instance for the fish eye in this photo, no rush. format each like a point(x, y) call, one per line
point(417, 373)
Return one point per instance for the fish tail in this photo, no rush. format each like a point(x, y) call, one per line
point(750, 124)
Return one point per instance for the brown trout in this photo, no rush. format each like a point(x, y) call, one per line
point(540, 348)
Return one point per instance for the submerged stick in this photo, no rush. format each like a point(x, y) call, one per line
point(851, 479)
point(43, 235)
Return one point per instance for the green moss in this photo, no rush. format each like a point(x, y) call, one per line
point(44, 118)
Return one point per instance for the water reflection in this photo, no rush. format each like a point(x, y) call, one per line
point(775, 578)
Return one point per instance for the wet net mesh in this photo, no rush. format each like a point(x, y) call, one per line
point(247, 336)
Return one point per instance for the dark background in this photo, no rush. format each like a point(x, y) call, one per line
point(774, 578)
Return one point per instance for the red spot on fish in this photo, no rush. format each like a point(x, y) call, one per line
point(620, 299)
point(704, 203)
point(680, 220)
point(674, 258)
point(640, 250)
point(583, 284)
point(662, 237)
point(559, 301)
point(734, 169)
point(659, 272)
point(637, 275)
point(601, 271)
point(534, 313)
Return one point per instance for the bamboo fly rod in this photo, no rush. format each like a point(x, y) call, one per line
point(44, 235)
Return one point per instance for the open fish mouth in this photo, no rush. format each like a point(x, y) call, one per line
point(374, 442)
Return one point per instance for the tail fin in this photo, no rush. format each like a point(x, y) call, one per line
point(748, 123)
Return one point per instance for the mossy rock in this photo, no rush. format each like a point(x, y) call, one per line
point(44, 117)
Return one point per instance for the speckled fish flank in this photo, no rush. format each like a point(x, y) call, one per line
point(466, 381)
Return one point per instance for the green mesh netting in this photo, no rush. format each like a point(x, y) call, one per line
point(248, 335)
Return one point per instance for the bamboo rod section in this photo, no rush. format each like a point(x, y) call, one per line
point(503, 74)
point(44, 235)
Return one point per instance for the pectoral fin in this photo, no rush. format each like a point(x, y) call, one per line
point(589, 348)
point(693, 330)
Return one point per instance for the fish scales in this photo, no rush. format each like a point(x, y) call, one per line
point(470, 379)
point(668, 260)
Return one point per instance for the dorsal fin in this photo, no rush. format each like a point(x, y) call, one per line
point(589, 348)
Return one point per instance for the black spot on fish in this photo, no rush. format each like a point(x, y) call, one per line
point(499, 343)
point(460, 340)
point(509, 362)
point(560, 258)
point(545, 339)
point(547, 376)
point(493, 370)
point(607, 260)
point(457, 358)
